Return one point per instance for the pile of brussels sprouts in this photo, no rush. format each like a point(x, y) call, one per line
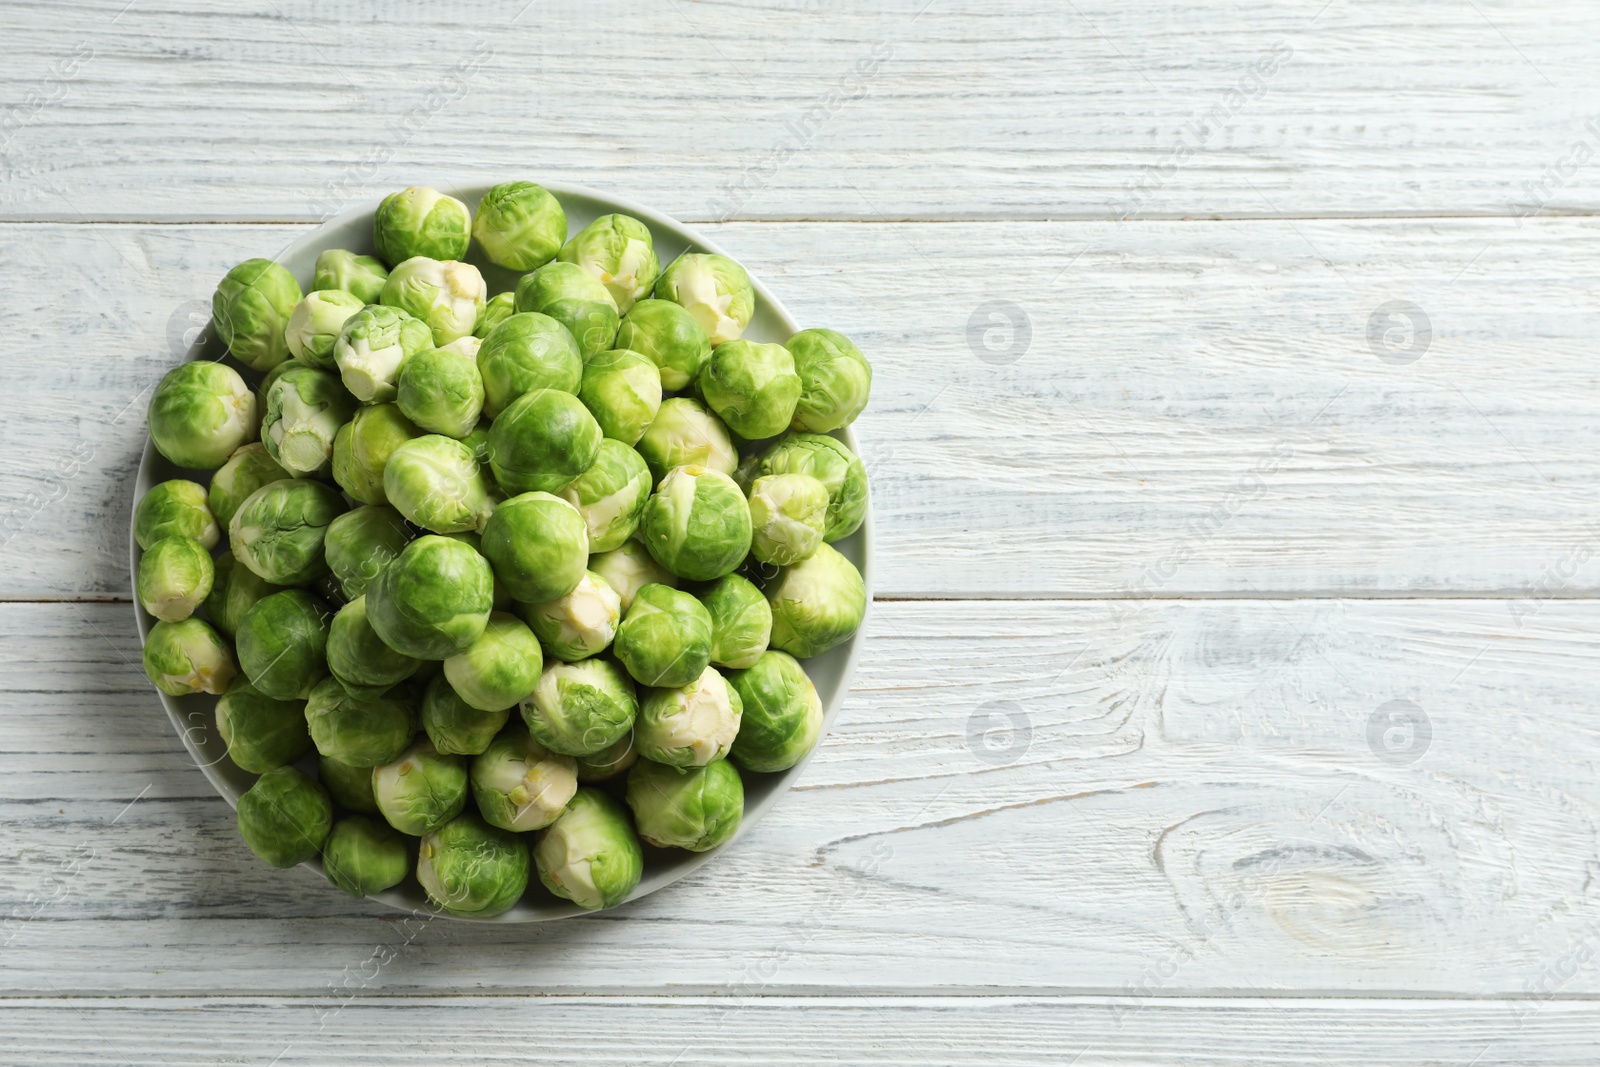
point(530, 572)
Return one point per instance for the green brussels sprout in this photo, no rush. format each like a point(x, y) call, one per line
point(285, 817)
point(525, 353)
point(590, 854)
point(251, 307)
point(261, 732)
point(622, 390)
point(420, 221)
point(499, 308)
point(521, 785)
point(434, 481)
point(200, 413)
point(305, 408)
point(175, 577)
point(338, 268)
point(669, 337)
point(278, 531)
point(538, 545)
point(445, 294)
point(359, 659)
point(519, 225)
point(835, 466)
point(358, 731)
point(371, 347)
point(580, 624)
point(629, 569)
point(455, 726)
point(697, 809)
point(698, 524)
point(433, 600)
point(741, 622)
point(500, 668)
point(665, 637)
point(570, 295)
point(282, 644)
point(835, 380)
point(542, 441)
point(714, 289)
point(684, 433)
point(619, 253)
point(421, 789)
point(689, 725)
point(363, 447)
point(581, 708)
point(472, 869)
point(349, 786)
point(752, 387)
point(360, 543)
point(316, 322)
point(817, 604)
point(187, 657)
point(175, 508)
point(362, 856)
point(782, 718)
point(611, 495)
point(234, 591)
point(248, 469)
point(441, 391)
point(788, 514)
point(608, 762)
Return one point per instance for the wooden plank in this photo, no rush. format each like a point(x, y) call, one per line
point(1199, 409)
point(1196, 797)
point(1255, 108)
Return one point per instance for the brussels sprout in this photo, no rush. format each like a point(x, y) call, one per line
point(433, 600)
point(357, 731)
point(665, 637)
point(611, 495)
point(338, 268)
point(500, 668)
point(420, 790)
point(455, 726)
point(278, 531)
point(445, 294)
point(741, 622)
point(788, 514)
point(371, 347)
point(420, 221)
point(697, 809)
point(349, 786)
point(434, 481)
point(590, 854)
point(622, 390)
point(305, 408)
point(617, 251)
point(499, 308)
point(248, 469)
point(579, 709)
point(752, 387)
point(832, 464)
point(817, 604)
point(685, 433)
point(363, 447)
point(698, 524)
point(542, 441)
point(282, 644)
point(782, 717)
point(689, 725)
point(361, 543)
point(440, 391)
point(527, 352)
point(176, 508)
point(175, 578)
point(538, 545)
point(835, 380)
point(285, 817)
point(251, 307)
point(317, 321)
point(470, 868)
point(234, 591)
point(580, 624)
point(261, 732)
point(669, 337)
point(714, 289)
point(521, 785)
point(519, 225)
point(363, 856)
point(200, 413)
point(570, 295)
point(629, 569)
point(187, 657)
point(465, 347)
point(608, 762)
point(502, 595)
point(359, 659)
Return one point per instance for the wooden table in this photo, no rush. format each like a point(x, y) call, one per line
point(1230, 694)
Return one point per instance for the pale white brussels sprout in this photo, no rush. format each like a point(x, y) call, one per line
point(176, 508)
point(466, 347)
point(788, 515)
point(498, 670)
point(339, 268)
point(250, 309)
point(835, 380)
point(695, 809)
point(519, 784)
point(187, 657)
point(305, 409)
point(611, 495)
point(690, 725)
point(817, 604)
point(420, 221)
point(580, 708)
point(248, 469)
point(832, 463)
point(741, 622)
point(446, 294)
point(782, 717)
point(472, 869)
point(697, 525)
point(590, 854)
point(316, 322)
point(752, 387)
point(441, 391)
point(712, 288)
point(622, 390)
point(629, 569)
point(200, 413)
point(618, 251)
point(371, 347)
point(580, 624)
point(363, 446)
point(520, 225)
point(570, 295)
point(435, 482)
point(421, 790)
point(499, 308)
point(684, 433)
point(669, 337)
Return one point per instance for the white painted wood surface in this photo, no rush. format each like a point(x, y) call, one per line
point(1181, 550)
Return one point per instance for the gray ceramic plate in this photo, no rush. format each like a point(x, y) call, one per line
point(194, 717)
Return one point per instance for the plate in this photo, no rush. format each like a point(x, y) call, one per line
point(194, 717)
